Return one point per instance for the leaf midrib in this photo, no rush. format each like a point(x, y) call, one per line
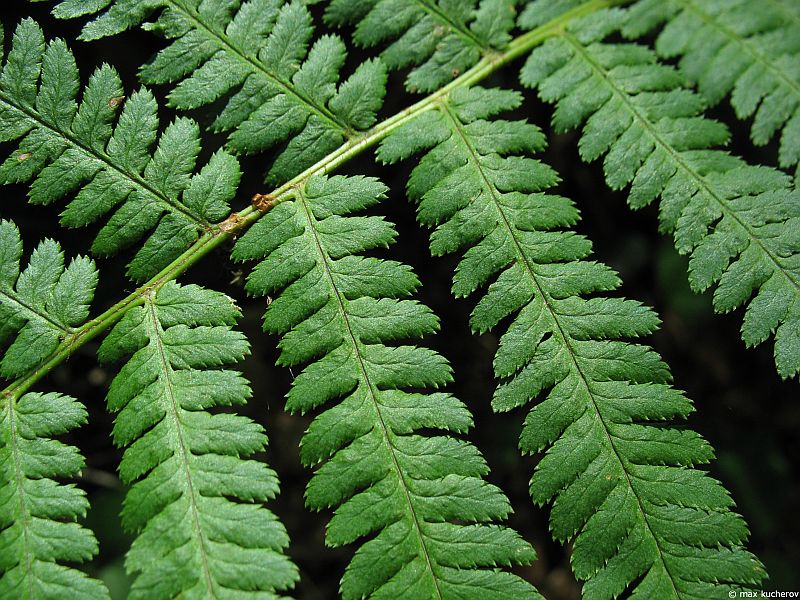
point(558, 330)
point(357, 349)
point(236, 223)
point(19, 477)
point(75, 142)
point(173, 410)
point(227, 46)
point(32, 312)
point(459, 29)
point(745, 44)
point(675, 155)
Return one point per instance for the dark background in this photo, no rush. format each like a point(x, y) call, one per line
point(748, 414)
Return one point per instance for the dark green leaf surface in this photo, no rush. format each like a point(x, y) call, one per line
point(747, 50)
point(40, 304)
point(439, 38)
point(257, 57)
point(739, 223)
point(421, 498)
point(107, 163)
point(38, 529)
point(622, 484)
point(622, 473)
point(195, 499)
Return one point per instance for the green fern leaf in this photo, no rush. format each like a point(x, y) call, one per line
point(256, 57)
point(538, 12)
point(41, 305)
point(748, 50)
point(440, 38)
point(423, 497)
point(37, 515)
point(738, 222)
point(194, 501)
point(38, 308)
point(623, 486)
point(66, 146)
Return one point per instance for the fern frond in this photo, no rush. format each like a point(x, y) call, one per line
point(37, 515)
point(622, 484)
point(40, 305)
point(38, 308)
point(256, 56)
point(423, 497)
point(66, 146)
point(194, 501)
point(748, 50)
point(738, 222)
point(440, 38)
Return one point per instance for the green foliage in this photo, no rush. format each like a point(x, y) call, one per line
point(37, 514)
point(748, 50)
point(440, 38)
point(194, 501)
point(66, 146)
point(256, 57)
point(40, 305)
point(621, 470)
point(423, 496)
point(737, 222)
point(621, 482)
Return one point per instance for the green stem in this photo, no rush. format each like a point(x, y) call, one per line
point(237, 223)
point(91, 329)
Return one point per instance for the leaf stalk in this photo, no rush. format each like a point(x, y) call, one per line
point(239, 222)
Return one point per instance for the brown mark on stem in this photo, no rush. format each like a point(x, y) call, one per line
point(263, 202)
point(231, 223)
